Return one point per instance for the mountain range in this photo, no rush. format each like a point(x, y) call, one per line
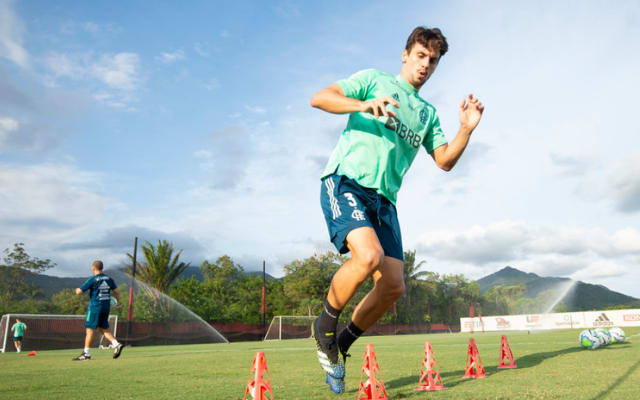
point(579, 296)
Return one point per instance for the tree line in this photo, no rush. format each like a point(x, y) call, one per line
point(228, 293)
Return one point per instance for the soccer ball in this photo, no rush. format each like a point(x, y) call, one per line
point(604, 335)
point(113, 301)
point(617, 335)
point(589, 339)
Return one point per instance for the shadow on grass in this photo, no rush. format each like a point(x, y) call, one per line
point(455, 378)
point(618, 381)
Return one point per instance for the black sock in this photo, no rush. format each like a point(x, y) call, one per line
point(328, 320)
point(348, 335)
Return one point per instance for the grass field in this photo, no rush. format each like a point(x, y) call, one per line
point(551, 365)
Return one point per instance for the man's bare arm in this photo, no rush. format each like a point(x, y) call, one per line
point(116, 294)
point(332, 99)
point(470, 113)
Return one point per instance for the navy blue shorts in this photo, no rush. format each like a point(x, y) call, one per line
point(347, 205)
point(17, 338)
point(97, 318)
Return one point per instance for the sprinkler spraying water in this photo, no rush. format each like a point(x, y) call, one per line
point(161, 319)
point(563, 290)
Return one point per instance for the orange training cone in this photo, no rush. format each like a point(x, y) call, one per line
point(33, 353)
point(474, 367)
point(505, 352)
point(428, 381)
point(372, 388)
point(257, 386)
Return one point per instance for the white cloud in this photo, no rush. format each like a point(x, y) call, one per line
point(7, 127)
point(16, 135)
point(66, 66)
point(94, 28)
point(624, 184)
point(48, 196)
point(256, 109)
point(556, 251)
point(206, 154)
point(113, 78)
point(119, 71)
point(200, 48)
point(11, 33)
point(168, 58)
point(601, 269)
point(91, 27)
point(617, 183)
point(212, 84)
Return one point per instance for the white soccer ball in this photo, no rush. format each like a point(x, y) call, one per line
point(604, 335)
point(113, 301)
point(589, 339)
point(617, 335)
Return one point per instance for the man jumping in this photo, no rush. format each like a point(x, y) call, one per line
point(388, 123)
point(99, 287)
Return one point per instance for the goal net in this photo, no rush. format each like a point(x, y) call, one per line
point(290, 327)
point(49, 332)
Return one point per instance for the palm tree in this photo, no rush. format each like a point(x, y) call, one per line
point(412, 273)
point(162, 267)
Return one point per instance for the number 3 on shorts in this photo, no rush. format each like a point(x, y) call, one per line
point(352, 201)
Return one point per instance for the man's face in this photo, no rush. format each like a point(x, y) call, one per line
point(419, 64)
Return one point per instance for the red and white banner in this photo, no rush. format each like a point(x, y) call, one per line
point(525, 322)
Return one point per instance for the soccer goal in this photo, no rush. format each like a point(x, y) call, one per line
point(48, 331)
point(290, 327)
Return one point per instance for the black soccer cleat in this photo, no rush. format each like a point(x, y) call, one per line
point(328, 353)
point(82, 357)
point(117, 350)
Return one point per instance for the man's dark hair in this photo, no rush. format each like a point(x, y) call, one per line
point(98, 265)
point(428, 37)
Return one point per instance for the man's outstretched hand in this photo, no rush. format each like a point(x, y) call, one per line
point(378, 107)
point(470, 112)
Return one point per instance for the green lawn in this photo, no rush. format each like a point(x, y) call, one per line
point(551, 365)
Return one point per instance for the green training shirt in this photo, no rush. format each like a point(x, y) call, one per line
point(18, 329)
point(377, 153)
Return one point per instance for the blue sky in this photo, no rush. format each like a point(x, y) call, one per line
point(192, 124)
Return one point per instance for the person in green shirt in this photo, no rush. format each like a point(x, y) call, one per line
point(388, 124)
point(18, 333)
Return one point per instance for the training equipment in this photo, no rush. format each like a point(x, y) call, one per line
point(505, 354)
point(257, 387)
point(33, 353)
point(474, 368)
point(372, 388)
point(589, 339)
point(113, 301)
point(430, 379)
point(617, 335)
point(49, 332)
point(604, 335)
point(290, 327)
